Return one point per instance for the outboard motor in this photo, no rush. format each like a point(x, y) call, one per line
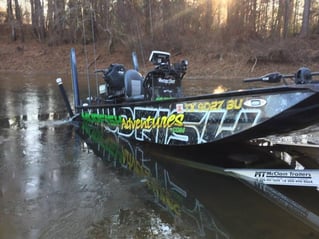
point(164, 81)
point(114, 79)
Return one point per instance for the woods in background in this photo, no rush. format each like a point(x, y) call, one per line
point(165, 23)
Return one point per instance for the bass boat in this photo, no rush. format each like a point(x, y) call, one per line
point(153, 108)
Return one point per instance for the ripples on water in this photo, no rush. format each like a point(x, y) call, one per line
point(62, 181)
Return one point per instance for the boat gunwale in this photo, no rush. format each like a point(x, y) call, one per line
point(314, 87)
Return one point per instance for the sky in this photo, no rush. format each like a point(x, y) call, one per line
point(3, 4)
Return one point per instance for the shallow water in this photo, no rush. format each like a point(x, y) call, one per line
point(58, 180)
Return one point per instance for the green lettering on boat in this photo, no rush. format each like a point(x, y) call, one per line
point(112, 120)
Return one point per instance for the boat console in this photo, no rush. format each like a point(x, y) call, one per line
point(164, 81)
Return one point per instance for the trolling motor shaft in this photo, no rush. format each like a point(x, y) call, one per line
point(65, 98)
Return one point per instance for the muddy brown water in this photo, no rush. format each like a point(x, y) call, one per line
point(62, 181)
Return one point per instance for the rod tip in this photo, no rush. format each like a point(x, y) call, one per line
point(59, 81)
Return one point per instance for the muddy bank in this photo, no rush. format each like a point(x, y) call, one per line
point(248, 60)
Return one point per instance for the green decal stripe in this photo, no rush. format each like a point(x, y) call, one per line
point(101, 118)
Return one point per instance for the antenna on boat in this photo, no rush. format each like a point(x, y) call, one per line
point(87, 65)
point(135, 61)
point(94, 47)
point(86, 56)
point(75, 84)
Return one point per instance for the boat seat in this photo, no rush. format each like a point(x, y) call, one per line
point(134, 89)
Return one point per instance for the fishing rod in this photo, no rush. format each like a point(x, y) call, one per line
point(302, 76)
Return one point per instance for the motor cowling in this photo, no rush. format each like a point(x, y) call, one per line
point(303, 76)
point(114, 77)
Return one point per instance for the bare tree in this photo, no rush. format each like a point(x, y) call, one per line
point(37, 18)
point(73, 21)
point(288, 7)
point(162, 23)
point(305, 19)
point(235, 21)
point(148, 18)
point(10, 20)
point(19, 22)
point(208, 15)
point(14, 19)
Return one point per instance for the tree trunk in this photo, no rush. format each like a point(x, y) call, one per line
point(305, 19)
point(208, 16)
point(287, 17)
point(235, 23)
point(148, 18)
point(10, 20)
point(37, 18)
point(59, 19)
point(19, 22)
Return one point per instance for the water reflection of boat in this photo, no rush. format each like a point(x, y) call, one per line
point(167, 195)
point(275, 158)
point(303, 144)
point(169, 189)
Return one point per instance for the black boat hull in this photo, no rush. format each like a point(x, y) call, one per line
point(202, 120)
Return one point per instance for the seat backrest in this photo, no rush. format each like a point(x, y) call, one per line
point(133, 84)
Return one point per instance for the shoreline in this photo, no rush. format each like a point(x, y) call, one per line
point(34, 57)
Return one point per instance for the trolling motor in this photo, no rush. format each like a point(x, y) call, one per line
point(74, 86)
point(65, 97)
point(303, 76)
point(165, 80)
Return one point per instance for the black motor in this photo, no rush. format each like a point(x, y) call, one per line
point(303, 76)
point(114, 77)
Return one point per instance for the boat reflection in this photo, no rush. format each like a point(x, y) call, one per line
point(167, 195)
point(303, 214)
point(168, 183)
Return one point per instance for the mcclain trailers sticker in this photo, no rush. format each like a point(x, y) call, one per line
point(255, 102)
point(288, 177)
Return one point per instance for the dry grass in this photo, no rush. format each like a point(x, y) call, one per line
point(233, 60)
